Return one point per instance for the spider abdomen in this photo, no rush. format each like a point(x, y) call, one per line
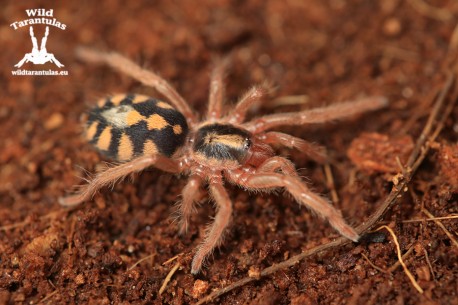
point(126, 126)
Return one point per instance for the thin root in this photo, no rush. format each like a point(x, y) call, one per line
point(141, 261)
point(440, 225)
point(398, 250)
point(169, 277)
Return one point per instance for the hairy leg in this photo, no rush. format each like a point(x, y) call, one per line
point(318, 115)
point(148, 78)
point(316, 152)
point(216, 97)
point(248, 100)
point(191, 194)
point(216, 230)
point(273, 164)
point(300, 192)
point(113, 174)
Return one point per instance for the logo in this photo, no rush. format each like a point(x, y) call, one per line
point(39, 54)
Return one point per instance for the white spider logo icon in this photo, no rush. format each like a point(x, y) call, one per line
point(39, 56)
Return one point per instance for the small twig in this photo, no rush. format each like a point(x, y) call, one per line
point(141, 261)
point(429, 263)
point(392, 268)
point(70, 235)
point(398, 250)
point(452, 216)
point(374, 265)
point(399, 163)
point(330, 182)
point(453, 45)
point(447, 232)
point(168, 277)
point(48, 296)
point(430, 11)
point(398, 263)
point(172, 259)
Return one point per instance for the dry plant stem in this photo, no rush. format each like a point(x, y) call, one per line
point(374, 265)
point(439, 224)
point(449, 94)
point(398, 263)
point(49, 296)
point(429, 264)
point(168, 278)
point(401, 261)
point(431, 11)
point(452, 216)
point(395, 265)
point(141, 261)
point(330, 182)
point(172, 259)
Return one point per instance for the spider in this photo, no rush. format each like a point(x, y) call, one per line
point(222, 147)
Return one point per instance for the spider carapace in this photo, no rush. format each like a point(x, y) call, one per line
point(222, 147)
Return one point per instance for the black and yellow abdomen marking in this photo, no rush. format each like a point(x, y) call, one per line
point(126, 126)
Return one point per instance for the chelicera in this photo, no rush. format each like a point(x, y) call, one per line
point(222, 147)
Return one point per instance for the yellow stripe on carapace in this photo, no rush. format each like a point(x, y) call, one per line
point(117, 99)
point(104, 139)
point(177, 129)
point(156, 121)
point(140, 99)
point(90, 132)
point(149, 148)
point(232, 140)
point(125, 148)
point(164, 105)
point(133, 117)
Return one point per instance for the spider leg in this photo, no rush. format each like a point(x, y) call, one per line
point(294, 186)
point(216, 230)
point(216, 96)
point(316, 152)
point(116, 173)
point(191, 194)
point(273, 164)
point(148, 78)
point(248, 100)
point(317, 115)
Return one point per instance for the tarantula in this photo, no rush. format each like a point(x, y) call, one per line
point(222, 147)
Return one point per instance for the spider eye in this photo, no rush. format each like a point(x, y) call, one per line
point(247, 144)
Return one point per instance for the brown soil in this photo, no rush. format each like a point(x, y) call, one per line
point(329, 50)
